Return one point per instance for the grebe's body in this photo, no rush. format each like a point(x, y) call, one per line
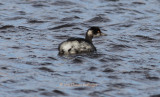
point(80, 45)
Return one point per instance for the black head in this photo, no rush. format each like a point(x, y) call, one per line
point(94, 32)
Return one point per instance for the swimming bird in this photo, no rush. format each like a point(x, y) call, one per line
point(80, 45)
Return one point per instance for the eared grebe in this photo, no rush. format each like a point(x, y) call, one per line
point(80, 45)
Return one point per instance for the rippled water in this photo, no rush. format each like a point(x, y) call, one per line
point(127, 63)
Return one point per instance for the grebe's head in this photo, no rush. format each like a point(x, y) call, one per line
point(94, 32)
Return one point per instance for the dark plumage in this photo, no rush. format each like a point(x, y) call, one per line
point(80, 45)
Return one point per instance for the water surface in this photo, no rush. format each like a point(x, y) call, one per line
point(127, 63)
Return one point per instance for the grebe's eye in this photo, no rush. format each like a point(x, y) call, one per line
point(98, 31)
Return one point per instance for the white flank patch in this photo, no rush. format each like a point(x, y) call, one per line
point(71, 47)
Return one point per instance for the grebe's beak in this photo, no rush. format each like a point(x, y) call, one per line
point(103, 34)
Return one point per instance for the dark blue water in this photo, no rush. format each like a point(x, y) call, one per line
point(127, 63)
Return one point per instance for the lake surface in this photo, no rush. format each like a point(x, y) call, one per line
point(126, 64)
